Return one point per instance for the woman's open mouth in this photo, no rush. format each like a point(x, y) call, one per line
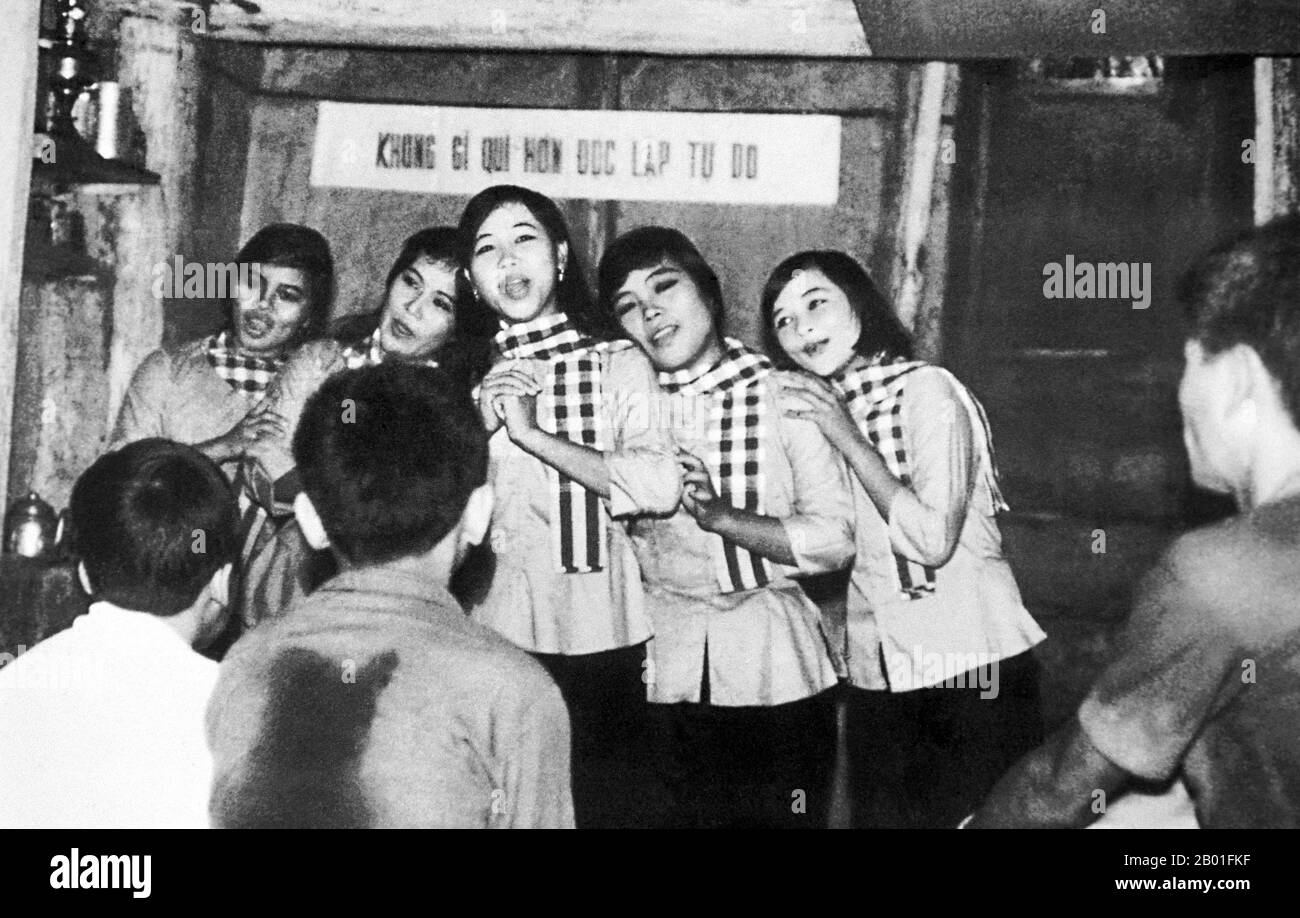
point(516, 287)
point(815, 348)
point(662, 336)
point(256, 326)
point(400, 329)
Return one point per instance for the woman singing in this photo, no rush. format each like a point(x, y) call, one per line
point(210, 393)
point(566, 586)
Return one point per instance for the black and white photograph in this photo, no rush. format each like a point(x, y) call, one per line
point(651, 414)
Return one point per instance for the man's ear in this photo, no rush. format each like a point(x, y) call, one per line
point(84, 576)
point(477, 515)
point(1263, 389)
point(313, 530)
point(219, 585)
point(1242, 373)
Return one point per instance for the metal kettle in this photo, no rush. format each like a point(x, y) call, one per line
point(31, 527)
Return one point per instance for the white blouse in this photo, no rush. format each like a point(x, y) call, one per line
point(531, 603)
point(766, 646)
point(945, 520)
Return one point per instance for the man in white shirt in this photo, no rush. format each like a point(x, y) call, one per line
point(103, 722)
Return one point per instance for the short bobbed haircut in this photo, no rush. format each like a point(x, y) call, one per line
point(573, 296)
point(647, 247)
point(152, 522)
point(465, 353)
point(1247, 291)
point(882, 333)
point(291, 245)
point(389, 456)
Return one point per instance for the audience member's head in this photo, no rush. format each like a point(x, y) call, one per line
point(393, 460)
point(1241, 386)
point(154, 523)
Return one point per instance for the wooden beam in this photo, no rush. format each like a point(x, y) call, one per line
point(158, 70)
point(905, 29)
point(17, 114)
point(784, 28)
point(934, 260)
point(944, 29)
point(1286, 135)
point(419, 77)
point(1277, 138)
point(1263, 140)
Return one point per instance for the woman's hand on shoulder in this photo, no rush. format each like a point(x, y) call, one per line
point(315, 357)
point(804, 396)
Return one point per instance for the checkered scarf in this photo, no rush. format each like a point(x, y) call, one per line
point(570, 408)
point(249, 376)
point(368, 353)
point(364, 353)
point(874, 395)
point(736, 461)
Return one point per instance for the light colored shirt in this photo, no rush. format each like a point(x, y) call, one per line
point(177, 394)
point(945, 520)
point(765, 646)
point(103, 727)
point(1205, 682)
point(376, 702)
point(529, 601)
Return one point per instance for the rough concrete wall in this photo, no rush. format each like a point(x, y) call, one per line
point(744, 243)
point(158, 70)
point(365, 228)
point(86, 339)
point(1286, 135)
point(61, 400)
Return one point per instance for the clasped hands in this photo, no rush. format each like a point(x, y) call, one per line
point(508, 395)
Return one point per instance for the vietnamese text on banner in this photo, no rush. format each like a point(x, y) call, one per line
point(720, 158)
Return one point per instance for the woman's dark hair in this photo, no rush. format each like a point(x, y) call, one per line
point(1247, 291)
point(572, 294)
point(882, 333)
point(646, 247)
point(465, 355)
point(152, 522)
point(291, 245)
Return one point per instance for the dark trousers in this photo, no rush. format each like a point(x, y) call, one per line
point(605, 694)
point(744, 767)
point(927, 758)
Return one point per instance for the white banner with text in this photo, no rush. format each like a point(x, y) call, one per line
point(706, 157)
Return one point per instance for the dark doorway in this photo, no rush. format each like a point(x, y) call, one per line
point(1082, 392)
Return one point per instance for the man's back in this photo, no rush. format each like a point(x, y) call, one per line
point(1209, 672)
point(104, 727)
point(376, 703)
